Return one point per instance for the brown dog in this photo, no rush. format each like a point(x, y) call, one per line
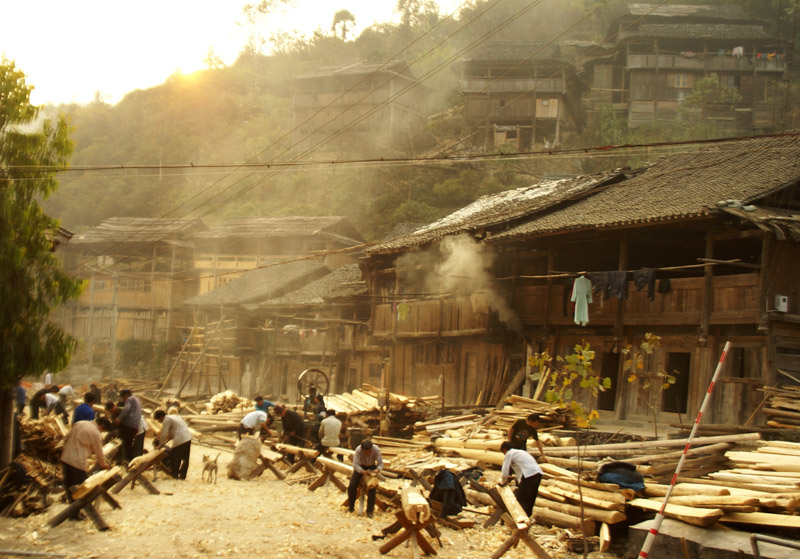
point(209, 467)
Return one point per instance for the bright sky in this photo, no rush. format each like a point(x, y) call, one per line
point(70, 50)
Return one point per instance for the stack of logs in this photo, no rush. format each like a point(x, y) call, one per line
point(225, 402)
point(783, 406)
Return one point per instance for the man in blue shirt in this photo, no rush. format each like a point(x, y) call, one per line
point(84, 411)
point(19, 397)
point(263, 405)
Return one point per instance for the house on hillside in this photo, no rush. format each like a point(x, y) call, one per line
point(662, 51)
point(365, 107)
point(703, 245)
point(521, 95)
point(138, 272)
point(243, 263)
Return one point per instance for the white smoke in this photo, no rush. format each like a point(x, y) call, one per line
point(457, 266)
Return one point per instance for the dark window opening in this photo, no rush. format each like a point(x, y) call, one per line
point(609, 367)
point(674, 398)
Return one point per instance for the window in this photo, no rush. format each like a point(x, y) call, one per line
point(375, 371)
point(681, 81)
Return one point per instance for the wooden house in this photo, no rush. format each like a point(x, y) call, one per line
point(521, 95)
point(138, 272)
point(662, 51)
point(715, 230)
point(243, 263)
point(323, 325)
point(364, 107)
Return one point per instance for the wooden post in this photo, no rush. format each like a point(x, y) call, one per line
point(114, 329)
point(169, 300)
point(90, 325)
point(619, 331)
point(708, 295)
point(153, 294)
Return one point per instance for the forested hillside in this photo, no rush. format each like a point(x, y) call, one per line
point(243, 113)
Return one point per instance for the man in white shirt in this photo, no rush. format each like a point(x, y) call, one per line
point(52, 403)
point(367, 461)
point(527, 472)
point(329, 431)
point(252, 420)
point(174, 428)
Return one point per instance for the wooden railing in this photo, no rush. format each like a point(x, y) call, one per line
point(709, 63)
point(735, 300)
point(460, 316)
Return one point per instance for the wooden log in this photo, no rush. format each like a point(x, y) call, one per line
point(690, 515)
point(335, 466)
point(96, 480)
point(661, 443)
point(480, 498)
point(607, 487)
point(772, 520)
point(415, 506)
point(514, 509)
point(681, 489)
point(617, 498)
point(601, 515)
point(591, 501)
point(555, 518)
point(297, 450)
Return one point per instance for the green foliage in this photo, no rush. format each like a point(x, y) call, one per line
point(563, 373)
point(142, 358)
point(32, 282)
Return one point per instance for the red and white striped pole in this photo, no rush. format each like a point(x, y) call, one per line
point(651, 535)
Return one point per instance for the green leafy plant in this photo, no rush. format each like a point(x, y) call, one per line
point(649, 384)
point(565, 374)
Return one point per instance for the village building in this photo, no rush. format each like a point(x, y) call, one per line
point(241, 264)
point(662, 51)
point(701, 245)
point(364, 107)
point(520, 95)
point(139, 270)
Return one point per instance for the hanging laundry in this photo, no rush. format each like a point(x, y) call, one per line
point(772, 55)
point(599, 282)
point(688, 54)
point(664, 285)
point(582, 296)
point(617, 284)
point(402, 311)
point(642, 278)
point(738, 52)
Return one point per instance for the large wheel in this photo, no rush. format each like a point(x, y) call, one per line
point(311, 381)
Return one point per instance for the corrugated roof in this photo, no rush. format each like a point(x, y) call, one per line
point(286, 226)
point(710, 11)
point(342, 282)
point(262, 283)
point(499, 208)
point(679, 186)
point(704, 31)
point(130, 230)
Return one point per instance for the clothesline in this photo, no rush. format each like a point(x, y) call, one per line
point(662, 269)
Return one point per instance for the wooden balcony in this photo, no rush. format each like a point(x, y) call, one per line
point(462, 316)
point(735, 301)
point(139, 294)
point(707, 63)
point(512, 85)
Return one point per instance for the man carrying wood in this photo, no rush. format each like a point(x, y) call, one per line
point(129, 421)
point(83, 440)
point(367, 462)
point(527, 472)
point(174, 428)
point(52, 403)
point(522, 430)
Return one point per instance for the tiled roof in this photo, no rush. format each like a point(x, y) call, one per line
point(138, 230)
point(515, 51)
point(704, 31)
point(499, 208)
point(402, 229)
point(396, 67)
point(342, 282)
point(262, 283)
point(287, 226)
point(678, 186)
point(708, 11)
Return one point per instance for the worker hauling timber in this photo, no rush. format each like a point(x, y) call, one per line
point(527, 472)
point(367, 462)
point(522, 430)
point(248, 424)
point(129, 422)
point(294, 430)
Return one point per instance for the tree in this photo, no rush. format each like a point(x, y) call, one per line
point(32, 282)
point(256, 16)
point(650, 384)
point(342, 18)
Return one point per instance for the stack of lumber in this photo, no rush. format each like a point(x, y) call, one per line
point(25, 486)
point(783, 407)
point(227, 401)
point(43, 437)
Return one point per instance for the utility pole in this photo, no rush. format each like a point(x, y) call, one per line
point(90, 326)
point(114, 329)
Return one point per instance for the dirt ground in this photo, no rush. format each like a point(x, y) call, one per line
point(261, 517)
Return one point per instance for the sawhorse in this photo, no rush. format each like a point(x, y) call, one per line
point(266, 461)
point(409, 529)
point(305, 456)
point(142, 464)
point(85, 495)
point(329, 469)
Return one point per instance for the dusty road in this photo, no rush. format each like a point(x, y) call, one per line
point(262, 517)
